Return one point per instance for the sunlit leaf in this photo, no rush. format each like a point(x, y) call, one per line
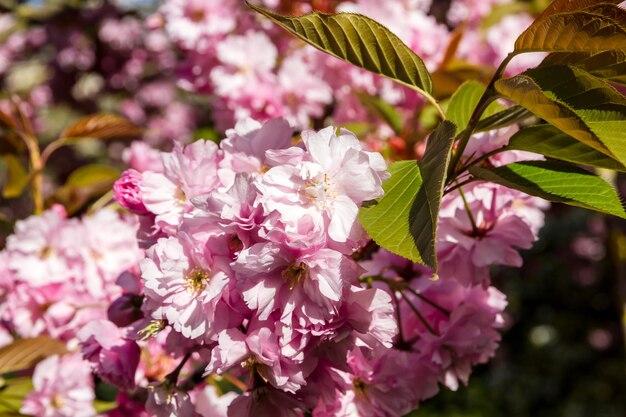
point(103, 407)
point(17, 177)
point(557, 182)
point(404, 220)
point(102, 126)
point(465, 100)
point(12, 394)
point(568, 25)
point(551, 142)
point(610, 65)
point(84, 184)
point(576, 102)
point(25, 353)
point(92, 174)
point(360, 41)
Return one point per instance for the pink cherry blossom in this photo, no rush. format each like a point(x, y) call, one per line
point(324, 183)
point(114, 358)
point(188, 172)
point(167, 401)
point(184, 286)
point(63, 387)
point(504, 221)
point(190, 22)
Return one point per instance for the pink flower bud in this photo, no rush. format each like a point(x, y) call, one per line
point(128, 193)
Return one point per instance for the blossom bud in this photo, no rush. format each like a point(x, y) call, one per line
point(128, 193)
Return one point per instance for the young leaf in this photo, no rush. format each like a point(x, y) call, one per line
point(17, 177)
point(12, 394)
point(610, 65)
point(464, 101)
point(102, 126)
point(558, 182)
point(382, 109)
point(404, 220)
point(88, 175)
point(551, 142)
point(358, 40)
point(25, 353)
point(84, 184)
point(391, 220)
point(569, 26)
point(576, 102)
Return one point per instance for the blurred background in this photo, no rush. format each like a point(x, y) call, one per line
point(563, 351)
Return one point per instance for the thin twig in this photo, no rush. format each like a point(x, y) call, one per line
point(428, 301)
point(468, 211)
point(419, 315)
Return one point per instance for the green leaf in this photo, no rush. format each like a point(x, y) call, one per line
point(84, 184)
point(12, 394)
point(17, 177)
point(575, 26)
point(360, 41)
point(25, 353)
point(558, 182)
point(551, 142)
point(102, 407)
point(609, 65)
point(383, 110)
point(574, 101)
point(433, 167)
point(404, 220)
point(390, 220)
point(89, 175)
point(465, 100)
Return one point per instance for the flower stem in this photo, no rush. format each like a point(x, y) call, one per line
point(468, 211)
point(172, 377)
point(428, 301)
point(488, 96)
point(419, 315)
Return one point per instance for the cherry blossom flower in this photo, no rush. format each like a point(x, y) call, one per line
point(63, 387)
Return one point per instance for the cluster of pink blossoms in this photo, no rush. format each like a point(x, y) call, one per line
point(248, 256)
point(253, 69)
point(58, 274)
point(254, 267)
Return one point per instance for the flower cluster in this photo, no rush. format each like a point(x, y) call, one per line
point(59, 273)
point(255, 70)
point(254, 264)
point(248, 250)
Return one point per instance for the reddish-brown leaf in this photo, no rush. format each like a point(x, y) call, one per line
point(102, 126)
point(26, 353)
